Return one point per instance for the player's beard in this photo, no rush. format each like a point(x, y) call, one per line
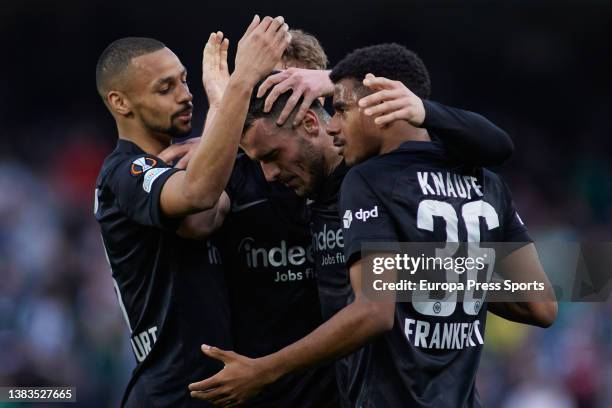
point(172, 131)
point(313, 163)
point(166, 129)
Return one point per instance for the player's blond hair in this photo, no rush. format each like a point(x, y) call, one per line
point(304, 51)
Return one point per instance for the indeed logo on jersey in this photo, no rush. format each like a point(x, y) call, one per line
point(279, 256)
point(327, 239)
point(361, 215)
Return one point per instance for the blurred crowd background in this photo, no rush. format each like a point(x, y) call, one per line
point(540, 70)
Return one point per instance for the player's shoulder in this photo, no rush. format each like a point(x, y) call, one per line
point(360, 174)
point(109, 166)
point(243, 161)
point(245, 173)
point(494, 183)
point(245, 167)
point(381, 170)
point(128, 161)
point(409, 154)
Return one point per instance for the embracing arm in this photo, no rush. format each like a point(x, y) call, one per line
point(470, 136)
point(466, 134)
point(348, 330)
point(539, 308)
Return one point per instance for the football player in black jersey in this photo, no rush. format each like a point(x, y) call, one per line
point(171, 290)
point(422, 363)
point(302, 159)
point(266, 247)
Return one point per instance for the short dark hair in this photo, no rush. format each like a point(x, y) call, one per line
point(392, 61)
point(117, 57)
point(304, 51)
point(256, 106)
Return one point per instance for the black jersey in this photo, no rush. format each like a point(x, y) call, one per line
point(267, 251)
point(172, 291)
point(335, 289)
point(418, 194)
point(328, 245)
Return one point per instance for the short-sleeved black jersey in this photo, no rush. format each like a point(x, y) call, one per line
point(267, 251)
point(171, 291)
point(418, 194)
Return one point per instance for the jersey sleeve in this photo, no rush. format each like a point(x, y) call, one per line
point(470, 137)
point(514, 228)
point(137, 183)
point(365, 218)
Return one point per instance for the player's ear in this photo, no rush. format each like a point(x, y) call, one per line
point(118, 103)
point(311, 123)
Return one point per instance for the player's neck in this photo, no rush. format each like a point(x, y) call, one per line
point(150, 143)
point(395, 136)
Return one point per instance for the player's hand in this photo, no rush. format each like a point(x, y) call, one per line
point(261, 47)
point(180, 152)
point(309, 83)
point(215, 74)
point(392, 101)
point(240, 379)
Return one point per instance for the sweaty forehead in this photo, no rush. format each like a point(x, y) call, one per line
point(155, 66)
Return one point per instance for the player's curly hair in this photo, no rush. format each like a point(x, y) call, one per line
point(392, 61)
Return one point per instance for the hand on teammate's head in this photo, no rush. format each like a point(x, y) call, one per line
point(308, 84)
point(391, 101)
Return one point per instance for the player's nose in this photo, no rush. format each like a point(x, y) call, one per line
point(332, 128)
point(185, 96)
point(270, 170)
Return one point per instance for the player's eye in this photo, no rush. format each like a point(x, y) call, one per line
point(164, 91)
point(268, 157)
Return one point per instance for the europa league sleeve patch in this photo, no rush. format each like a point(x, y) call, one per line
point(141, 165)
point(151, 176)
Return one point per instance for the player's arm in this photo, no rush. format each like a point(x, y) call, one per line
point(200, 185)
point(215, 73)
point(539, 307)
point(468, 135)
point(204, 223)
point(523, 265)
point(347, 331)
point(215, 78)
